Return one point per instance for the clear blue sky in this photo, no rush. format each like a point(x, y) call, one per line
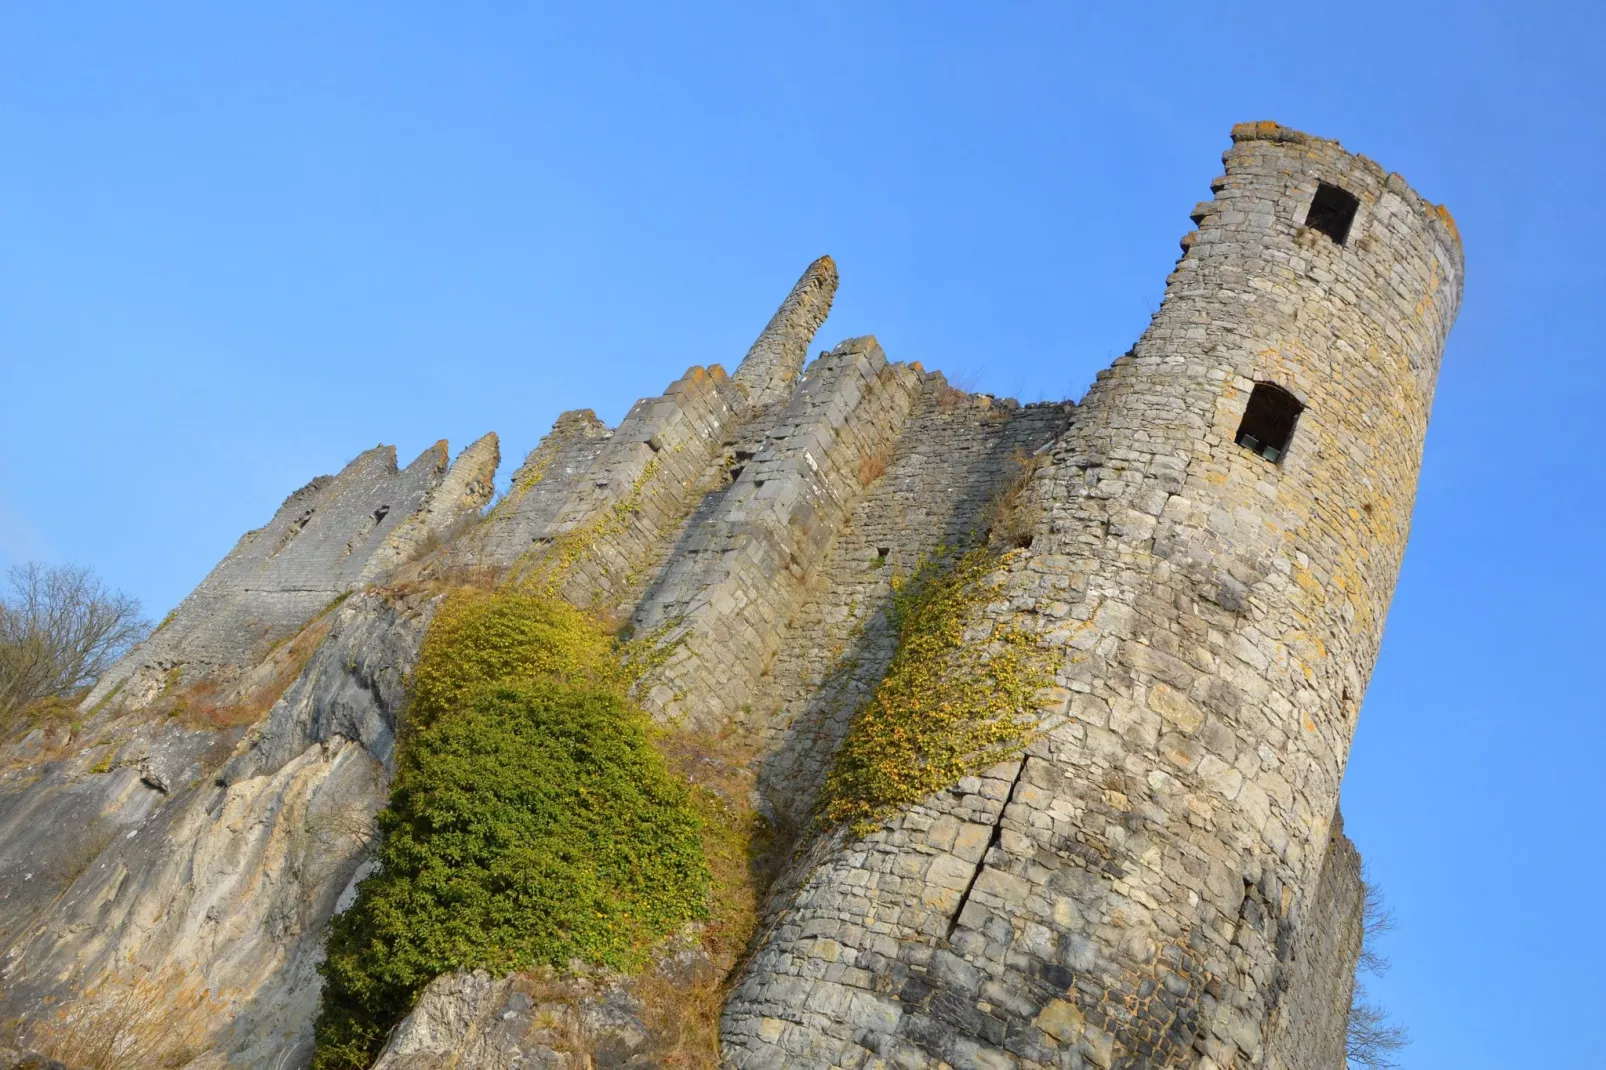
point(241, 243)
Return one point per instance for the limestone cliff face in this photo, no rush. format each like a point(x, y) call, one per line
point(1160, 879)
point(186, 851)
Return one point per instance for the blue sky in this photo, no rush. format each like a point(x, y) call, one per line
point(241, 243)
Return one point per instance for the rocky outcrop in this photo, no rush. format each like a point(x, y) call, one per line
point(333, 536)
point(1158, 878)
point(222, 851)
point(585, 1020)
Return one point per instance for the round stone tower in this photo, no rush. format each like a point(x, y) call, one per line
point(1222, 528)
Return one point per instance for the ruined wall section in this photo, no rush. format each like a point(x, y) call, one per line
point(539, 490)
point(595, 513)
point(452, 504)
point(956, 455)
point(331, 537)
point(771, 367)
point(654, 469)
point(1313, 1020)
point(591, 508)
point(724, 602)
point(1130, 893)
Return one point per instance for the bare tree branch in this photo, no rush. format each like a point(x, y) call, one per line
point(1372, 1040)
point(1376, 921)
point(60, 628)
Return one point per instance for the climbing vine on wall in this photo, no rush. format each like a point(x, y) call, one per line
point(549, 566)
point(957, 697)
point(531, 822)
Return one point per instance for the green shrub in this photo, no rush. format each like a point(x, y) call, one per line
point(505, 637)
point(946, 708)
point(532, 821)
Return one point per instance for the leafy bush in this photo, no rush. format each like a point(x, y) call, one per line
point(532, 822)
point(508, 637)
point(946, 708)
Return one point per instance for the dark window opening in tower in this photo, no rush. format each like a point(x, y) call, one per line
point(1268, 423)
point(1332, 212)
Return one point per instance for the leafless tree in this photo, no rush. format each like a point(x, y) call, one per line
point(60, 628)
point(1372, 1040)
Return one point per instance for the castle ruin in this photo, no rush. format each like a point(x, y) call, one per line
point(1209, 545)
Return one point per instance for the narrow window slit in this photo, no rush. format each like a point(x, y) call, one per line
point(1268, 423)
point(1332, 212)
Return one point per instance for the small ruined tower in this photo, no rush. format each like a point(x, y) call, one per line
point(1222, 528)
point(771, 367)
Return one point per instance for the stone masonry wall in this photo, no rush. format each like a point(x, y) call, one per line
point(1159, 880)
point(540, 488)
point(597, 511)
point(956, 453)
point(590, 505)
point(1131, 892)
point(653, 472)
point(328, 538)
point(726, 598)
point(772, 365)
point(1310, 1031)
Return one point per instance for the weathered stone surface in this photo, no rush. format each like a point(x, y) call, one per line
point(1311, 1022)
point(587, 1020)
point(1158, 852)
point(540, 488)
point(18, 1059)
point(955, 454)
point(725, 599)
point(332, 536)
point(771, 367)
point(1159, 880)
point(232, 873)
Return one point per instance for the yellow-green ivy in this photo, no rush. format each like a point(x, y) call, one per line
point(948, 706)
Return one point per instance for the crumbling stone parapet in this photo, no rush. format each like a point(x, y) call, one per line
point(328, 538)
point(771, 367)
point(736, 576)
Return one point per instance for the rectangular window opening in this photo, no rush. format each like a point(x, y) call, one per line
point(1332, 212)
point(1268, 423)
